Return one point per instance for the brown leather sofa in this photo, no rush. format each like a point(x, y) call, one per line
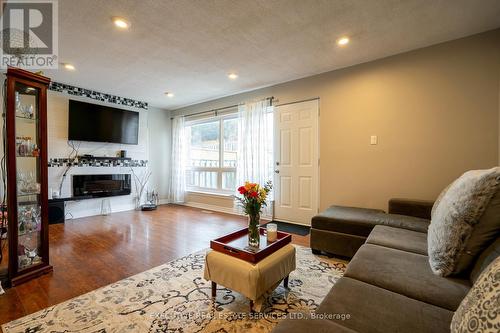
point(388, 285)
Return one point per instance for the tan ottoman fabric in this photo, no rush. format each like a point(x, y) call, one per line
point(250, 280)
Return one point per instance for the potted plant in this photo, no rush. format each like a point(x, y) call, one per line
point(252, 200)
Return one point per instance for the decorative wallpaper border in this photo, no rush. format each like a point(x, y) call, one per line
point(98, 96)
point(91, 162)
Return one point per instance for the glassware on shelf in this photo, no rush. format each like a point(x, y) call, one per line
point(21, 146)
point(28, 250)
point(29, 219)
point(24, 261)
point(25, 147)
point(29, 111)
point(35, 152)
point(27, 184)
point(18, 103)
point(29, 258)
point(24, 111)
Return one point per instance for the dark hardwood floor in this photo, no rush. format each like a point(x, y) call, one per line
point(92, 252)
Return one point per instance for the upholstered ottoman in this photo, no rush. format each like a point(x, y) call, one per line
point(342, 230)
point(250, 280)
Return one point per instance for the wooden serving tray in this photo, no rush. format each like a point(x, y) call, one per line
point(236, 245)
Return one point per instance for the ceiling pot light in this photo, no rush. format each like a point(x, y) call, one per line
point(69, 67)
point(232, 76)
point(120, 22)
point(343, 41)
point(169, 94)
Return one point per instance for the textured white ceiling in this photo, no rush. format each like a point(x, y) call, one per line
point(188, 46)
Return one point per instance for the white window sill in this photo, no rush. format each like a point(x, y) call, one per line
point(211, 194)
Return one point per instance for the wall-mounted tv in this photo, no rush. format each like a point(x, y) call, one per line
point(98, 123)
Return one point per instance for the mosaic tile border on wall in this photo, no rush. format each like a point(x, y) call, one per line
point(91, 162)
point(98, 96)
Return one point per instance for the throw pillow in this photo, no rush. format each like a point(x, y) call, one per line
point(479, 311)
point(484, 260)
point(486, 230)
point(438, 200)
point(455, 218)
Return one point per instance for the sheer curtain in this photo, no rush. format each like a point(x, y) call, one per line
point(177, 191)
point(255, 142)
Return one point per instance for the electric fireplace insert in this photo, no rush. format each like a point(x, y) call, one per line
point(99, 186)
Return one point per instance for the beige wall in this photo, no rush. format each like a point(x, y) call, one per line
point(435, 111)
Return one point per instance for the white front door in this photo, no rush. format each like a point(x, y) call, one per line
point(296, 162)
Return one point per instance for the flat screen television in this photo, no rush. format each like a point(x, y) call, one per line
point(98, 123)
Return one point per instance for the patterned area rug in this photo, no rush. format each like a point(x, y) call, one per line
point(174, 297)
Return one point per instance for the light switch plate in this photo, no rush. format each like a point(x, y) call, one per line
point(373, 140)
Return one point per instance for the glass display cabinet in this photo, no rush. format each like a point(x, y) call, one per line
point(27, 196)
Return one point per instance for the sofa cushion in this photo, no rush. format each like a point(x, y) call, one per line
point(360, 221)
point(408, 274)
point(485, 259)
point(480, 309)
point(290, 325)
point(403, 222)
point(411, 207)
point(373, 309)
point(401, 239)
point(452, 241)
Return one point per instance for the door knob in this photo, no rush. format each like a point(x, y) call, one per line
point(276, 171)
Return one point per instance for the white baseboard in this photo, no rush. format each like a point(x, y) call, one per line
point(215, 208)
point(294, 222)
point(92, 207)
point(78, 213)
point(228, 210)
point(164, 201)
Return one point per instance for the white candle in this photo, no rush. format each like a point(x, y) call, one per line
point(272, 232)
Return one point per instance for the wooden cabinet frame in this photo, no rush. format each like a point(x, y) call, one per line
point(14, 76)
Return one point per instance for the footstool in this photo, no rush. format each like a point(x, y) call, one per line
point(342, 230)
point(250, 280)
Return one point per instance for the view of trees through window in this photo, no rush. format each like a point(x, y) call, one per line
point(212, 154)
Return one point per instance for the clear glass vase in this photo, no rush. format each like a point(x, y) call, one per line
point(137, 203)
point(253, 230)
